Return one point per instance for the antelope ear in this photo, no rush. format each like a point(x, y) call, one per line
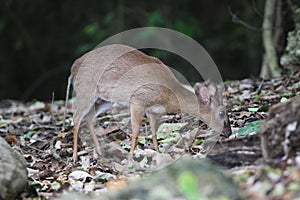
point(202, 93)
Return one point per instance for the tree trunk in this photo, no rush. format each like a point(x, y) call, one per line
point(270, 67)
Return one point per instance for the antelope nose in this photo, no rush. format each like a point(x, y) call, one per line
point(226, 129)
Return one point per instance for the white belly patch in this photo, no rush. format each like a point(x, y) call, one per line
point(157, 109)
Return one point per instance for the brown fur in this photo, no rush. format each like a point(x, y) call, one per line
point(121, 74)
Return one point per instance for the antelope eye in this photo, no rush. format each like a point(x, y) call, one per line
point(222, 114)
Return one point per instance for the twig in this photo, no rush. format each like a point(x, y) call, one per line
point(52, 100)
point(237, 20)
point(256, 9)
point(34, 148)
point(260, 87)
point(290, 78)
point(46, 126)
point(53, 150)
point(52, 104)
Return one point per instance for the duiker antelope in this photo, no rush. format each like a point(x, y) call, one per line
point(124, 75)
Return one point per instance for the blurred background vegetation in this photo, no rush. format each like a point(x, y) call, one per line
point(40, 39)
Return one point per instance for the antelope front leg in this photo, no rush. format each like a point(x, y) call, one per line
point(94, 136)
point(99, 107)
point(152, 120)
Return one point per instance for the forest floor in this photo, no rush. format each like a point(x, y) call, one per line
point(36, 130)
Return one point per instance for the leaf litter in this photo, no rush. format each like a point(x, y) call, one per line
point(36, 130)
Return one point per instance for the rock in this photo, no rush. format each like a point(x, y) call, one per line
point(13, 172)
point(280, 133)
point(183, 179)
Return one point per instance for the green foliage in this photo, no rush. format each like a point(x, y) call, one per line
point(109, 18)
point(253, 109)
point(249, 128)
point(29, 134)
point(188, 185)
point(283, 99)
point(261, 108)
point(189, 27)
point(91, 29)
point(156, 19)
point(167, 132)
point(55, 185)
point(43, 38)
point(288, 94)
point(264, 107)
point(2, 25)
point(257, 99)
point(84, 48)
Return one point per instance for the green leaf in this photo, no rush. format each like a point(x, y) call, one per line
point(144, 160)
point(293, 186)
point(83, 168)
point(126, 146)
point(278, 189)
point(161, 148)
point(238, 100)
point(283, 99)
point(261, 108)
point(253, 109)
point(257, 99)
point(143, 141)
point(29, 134)
point(34, 183)
point(168, 131)
point(227, 82)
point(198, 142)
point(188, 185)
point(167, 140)
point(59, 102)
point(91, 29)
point(55, 186)
point(250, 128)
point(287, 94)
point(235, 108)
point(264, 107)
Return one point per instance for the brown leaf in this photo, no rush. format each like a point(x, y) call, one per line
point(12, 139)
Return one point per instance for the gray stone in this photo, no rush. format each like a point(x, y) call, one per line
point(186, 178)
point(280, 132)
point(13, 172)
